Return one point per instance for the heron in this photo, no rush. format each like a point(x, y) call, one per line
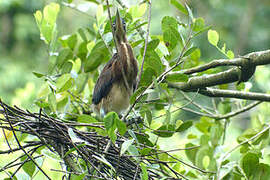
point(117, 81)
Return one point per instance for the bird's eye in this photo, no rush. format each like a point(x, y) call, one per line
point(113, 26)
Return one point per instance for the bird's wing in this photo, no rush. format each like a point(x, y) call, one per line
point(104, 82)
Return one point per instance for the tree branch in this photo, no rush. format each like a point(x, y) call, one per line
point(247, 65)
point(256, 58)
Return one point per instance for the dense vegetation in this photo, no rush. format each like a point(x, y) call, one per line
point(65, 44)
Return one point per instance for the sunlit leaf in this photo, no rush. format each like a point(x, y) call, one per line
point(230, 54)
point(137, 11)
point(144, 175)
point(179, 6)
point(213, 37)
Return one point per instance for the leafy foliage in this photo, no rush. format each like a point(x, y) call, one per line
point(75, 61)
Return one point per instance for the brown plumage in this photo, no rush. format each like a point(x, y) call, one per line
point(117, 81)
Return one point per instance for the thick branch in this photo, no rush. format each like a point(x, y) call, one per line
point(247, 66)
point(210, 92)
point(256, 59)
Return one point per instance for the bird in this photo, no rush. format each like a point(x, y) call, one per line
point(117, 81)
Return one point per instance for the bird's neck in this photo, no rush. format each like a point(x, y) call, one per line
point(127, 59)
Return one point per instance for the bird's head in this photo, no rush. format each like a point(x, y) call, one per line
point(119, 29)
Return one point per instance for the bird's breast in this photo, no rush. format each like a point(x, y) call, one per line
point(118, 98)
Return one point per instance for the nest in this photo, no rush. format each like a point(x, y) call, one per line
point(101, 157)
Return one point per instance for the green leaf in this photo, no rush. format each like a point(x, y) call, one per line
point(179, 6)
point(125, 146)
point(38, 75)
point(147, 76)
point(171, 35)
point(133, 151)
point(64, 55)
point(184, 126)
point(78, 177)
point(203, 153)
point(99, 15)
point(52, 102)
point(262, 172)
point(190, 14)
point(50, 13)
point(72, 41)
point(145, 111)
point(204, 124)
point(213, 37)
point(249, 162)
point(198, 24)
point(137, 11)
point(206, 161)
point(191, 153)
point(201, 31)
point(98, 55)
point(64, 83)
point(38, 17)
point(121, 126)
point(84, 118)
point(109, 120)
point(165, 131)
point(223, 50)
point(144, 139)
point(168, 117)
point(82, 34)
point(216, 132)
point(177, 77)
point(47, 21)
point(152, 60)
point(28, 167)
point(247, 134)
point(136, 94)
point(81, 82)
point(152, 45)
point(144, 175)
point(230, 54)
point(189, 51)
point(76, 67)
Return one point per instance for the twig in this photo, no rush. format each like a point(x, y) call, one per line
point(244, 109)
point(235, 94)
point(19, 144)
point(17, 149)
point(161, 77)
point(67, 172)
point(146, 41)
point(237, 146)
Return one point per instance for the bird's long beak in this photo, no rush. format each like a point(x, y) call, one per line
point(120, 33)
